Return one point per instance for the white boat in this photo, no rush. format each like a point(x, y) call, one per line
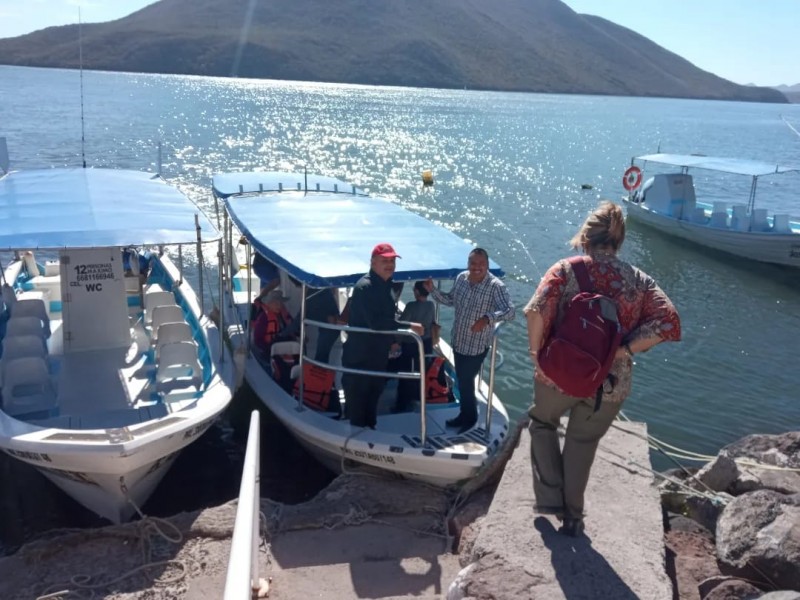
point(89, 396)
point(667, 202)
point(321, 231)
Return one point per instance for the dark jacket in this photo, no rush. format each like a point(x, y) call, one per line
point(371, 305)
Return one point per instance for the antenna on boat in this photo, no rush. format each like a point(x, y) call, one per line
point(4, 162)
point(790, 126)
point(80, 63)
point(305, 178)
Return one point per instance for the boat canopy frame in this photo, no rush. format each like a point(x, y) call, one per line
point(736, 166)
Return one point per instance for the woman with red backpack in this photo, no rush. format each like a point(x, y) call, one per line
point(586, 320)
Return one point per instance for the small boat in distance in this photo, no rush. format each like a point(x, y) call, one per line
point(667, 203)
point(319, 232)
point(109, 366)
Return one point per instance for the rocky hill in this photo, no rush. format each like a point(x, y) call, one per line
point(518, 45)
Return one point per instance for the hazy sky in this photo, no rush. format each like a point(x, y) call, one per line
point(746, 41)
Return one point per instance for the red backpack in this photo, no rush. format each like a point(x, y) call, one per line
point(579, 353)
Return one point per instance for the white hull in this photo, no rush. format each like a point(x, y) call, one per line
point(776, 248)
point(112, 470)
point(395, 445)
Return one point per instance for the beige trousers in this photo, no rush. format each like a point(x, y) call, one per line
point(560, 477)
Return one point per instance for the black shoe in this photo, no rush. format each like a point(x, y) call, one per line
point(456, 422)
point(572, 527)
point(466, 427)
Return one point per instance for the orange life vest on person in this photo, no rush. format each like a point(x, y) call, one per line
point(436, 388)
point(269, 324)
point(318, 388)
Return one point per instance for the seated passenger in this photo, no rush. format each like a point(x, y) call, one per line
point(422, 311)
point(268, 275)
point(321, 306)
point(272, 322)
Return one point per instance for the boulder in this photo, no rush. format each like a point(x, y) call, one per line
point(732, 589)
point(718, 475)
point(761, 529)
point(774, 452)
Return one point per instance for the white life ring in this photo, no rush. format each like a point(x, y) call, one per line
point(632, 178)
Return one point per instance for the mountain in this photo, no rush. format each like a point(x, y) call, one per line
point(516, 45)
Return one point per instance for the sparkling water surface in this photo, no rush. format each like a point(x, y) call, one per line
point(508, 170)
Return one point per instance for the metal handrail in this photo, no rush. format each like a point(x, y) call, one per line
point(492, 369)
point(420, 375)
point(242, 577)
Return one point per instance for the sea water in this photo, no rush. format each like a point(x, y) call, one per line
point(508, 170)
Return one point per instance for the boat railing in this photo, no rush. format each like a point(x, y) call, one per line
point(493, 366)
point(242, 577)
point(418, 375)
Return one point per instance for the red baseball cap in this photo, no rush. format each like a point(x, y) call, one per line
point(385, 250)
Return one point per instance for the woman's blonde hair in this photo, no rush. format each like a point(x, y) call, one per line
point(604, 228)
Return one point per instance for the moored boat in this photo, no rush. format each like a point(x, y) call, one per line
point(667, 202)
point(109, 366)
point(319, 233)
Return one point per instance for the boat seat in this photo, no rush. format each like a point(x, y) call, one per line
point(758, 220)
point(739, 219)
point(153, 287)
point(719, 220)
point(25, 326)
point(9, 297)
point(21, 346)
point(52, 268)
point(170, 333)
point(284, 357)
point(178, 366)
point(780, 224)
point(28, 390)
point(698, 216)
point(32, 304)
point(155, 298)
point(166, 314)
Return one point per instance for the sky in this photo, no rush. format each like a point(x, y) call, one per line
point(745, 41)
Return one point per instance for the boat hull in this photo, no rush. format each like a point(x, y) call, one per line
point(775, 248)
point(112, 471)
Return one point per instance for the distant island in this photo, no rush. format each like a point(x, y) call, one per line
point(507, 45)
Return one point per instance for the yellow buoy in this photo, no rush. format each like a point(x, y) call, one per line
point(427, 177)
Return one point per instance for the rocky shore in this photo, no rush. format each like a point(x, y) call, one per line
point(732, 531)
point(733, 526)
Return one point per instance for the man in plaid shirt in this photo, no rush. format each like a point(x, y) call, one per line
point(480, 300)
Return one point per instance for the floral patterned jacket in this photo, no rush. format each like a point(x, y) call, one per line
point(644, 310)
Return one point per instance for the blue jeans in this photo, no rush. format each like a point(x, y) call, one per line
point(467, 368)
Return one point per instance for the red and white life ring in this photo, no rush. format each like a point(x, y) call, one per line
point(632, 178)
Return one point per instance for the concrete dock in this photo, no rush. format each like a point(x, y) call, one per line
point(368, 537)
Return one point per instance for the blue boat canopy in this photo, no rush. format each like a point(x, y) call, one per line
point(738, 166)
point(87, 208)
point(326, 240)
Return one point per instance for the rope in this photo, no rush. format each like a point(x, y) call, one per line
point(659, 445)
point(146, 529)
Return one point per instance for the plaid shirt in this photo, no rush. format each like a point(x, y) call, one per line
point(489, 298)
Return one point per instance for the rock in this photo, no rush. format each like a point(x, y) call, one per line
point(733, 589)
point(703, 510)
point(781, 595)
point(691, 558)
point(707, 585)
point(762, 529)
point(687, 525)
point(718, 475)
point(782, 451)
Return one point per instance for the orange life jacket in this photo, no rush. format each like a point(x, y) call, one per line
point(269, 324)
point(318, 388)
point(436, 388)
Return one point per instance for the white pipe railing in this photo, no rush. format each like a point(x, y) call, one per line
point(242, 576)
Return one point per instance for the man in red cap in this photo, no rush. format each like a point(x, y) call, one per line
point(372, 305)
